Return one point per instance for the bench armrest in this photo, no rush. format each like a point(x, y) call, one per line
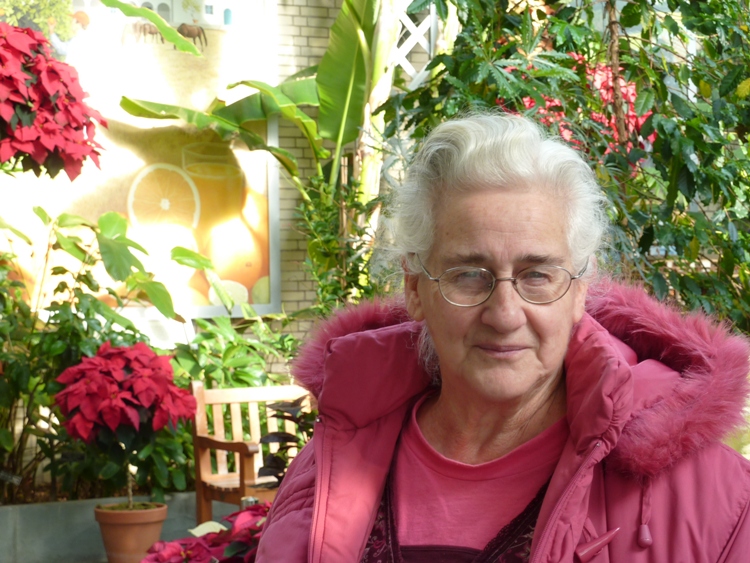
point(213, 443)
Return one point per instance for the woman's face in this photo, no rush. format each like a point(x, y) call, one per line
point(505, 350)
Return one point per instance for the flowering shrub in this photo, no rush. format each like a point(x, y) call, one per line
point(118, 402)
point(238, 544)
point(599, 78)
point(44, 124)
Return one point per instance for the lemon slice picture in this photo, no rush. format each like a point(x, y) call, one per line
point(163, 193)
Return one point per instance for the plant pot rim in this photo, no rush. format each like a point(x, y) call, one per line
point(105, 514)
point(117, 506)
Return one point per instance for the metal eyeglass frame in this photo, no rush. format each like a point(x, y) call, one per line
point(513, 280)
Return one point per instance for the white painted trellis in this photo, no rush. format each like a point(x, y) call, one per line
point(423, 34)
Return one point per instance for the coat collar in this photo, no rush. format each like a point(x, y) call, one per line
point(659, 384)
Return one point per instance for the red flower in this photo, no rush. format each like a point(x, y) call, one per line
point(121, 386)
point(246, 528)
point(43, 119)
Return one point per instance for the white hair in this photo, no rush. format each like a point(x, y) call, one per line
point(495, 151)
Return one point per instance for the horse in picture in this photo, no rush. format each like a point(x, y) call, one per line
point(146, 30)
point(194, 32)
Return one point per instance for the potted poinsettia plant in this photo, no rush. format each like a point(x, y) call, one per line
point(44, 124)
point(118, 402)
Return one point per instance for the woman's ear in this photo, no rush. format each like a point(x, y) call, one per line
point(411, 293)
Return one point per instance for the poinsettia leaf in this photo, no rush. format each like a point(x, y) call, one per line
point(145, 452)
point(109, 470)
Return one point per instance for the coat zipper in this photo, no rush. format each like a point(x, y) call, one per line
point(560, 503)
point(321, 485)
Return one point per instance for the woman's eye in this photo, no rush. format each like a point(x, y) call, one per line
point(535, 276)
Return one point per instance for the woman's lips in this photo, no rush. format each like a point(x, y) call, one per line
point(502, 350)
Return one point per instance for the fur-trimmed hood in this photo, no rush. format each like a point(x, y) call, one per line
point(704, 406)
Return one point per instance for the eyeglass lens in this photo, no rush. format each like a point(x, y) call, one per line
point(472, 286)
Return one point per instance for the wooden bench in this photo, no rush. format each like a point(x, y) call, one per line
point(213, 480)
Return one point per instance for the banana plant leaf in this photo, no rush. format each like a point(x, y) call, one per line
point(169, 33)
point(288, 108)
point(259, 106)
point(226, 128)
point(345, 71)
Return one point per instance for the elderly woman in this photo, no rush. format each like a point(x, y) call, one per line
point(501, 414)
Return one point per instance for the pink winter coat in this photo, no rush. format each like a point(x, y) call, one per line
point(643, 478)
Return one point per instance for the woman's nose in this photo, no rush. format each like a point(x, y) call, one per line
point(504, 308)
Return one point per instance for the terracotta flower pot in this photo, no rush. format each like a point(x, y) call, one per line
point(127, 534)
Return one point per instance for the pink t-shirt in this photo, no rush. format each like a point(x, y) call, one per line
point(439, 501)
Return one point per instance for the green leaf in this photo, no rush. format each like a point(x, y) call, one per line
point(146, 451)
point(417, 6)
point(661, 289)
point(109, 470)
point(169, 33)
point(42, 214)
point(111, 315)
point(69, 220)
point(681, 106)
point(630, 15)
point(345, 71)
point(179, 480)
point(19, 234)
point(160, 469)
point(291, 112)
point(645, 101)
point(159, 297)
point(731, 80)
point(190, 258)
point(70, 245)
point(112, 225)
point(6, 439)
point(671, 25)
point(117, 258)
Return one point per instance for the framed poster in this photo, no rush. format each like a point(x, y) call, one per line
point(178, 185)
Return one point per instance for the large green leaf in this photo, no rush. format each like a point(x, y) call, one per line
point(226, 124)
point(169, 33)
point(259, 106)
point(290, 111)
point(344, 72)
point(202, 120)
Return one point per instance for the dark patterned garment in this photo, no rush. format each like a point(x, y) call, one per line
point(511, 545)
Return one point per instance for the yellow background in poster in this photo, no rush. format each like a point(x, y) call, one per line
point(220, 209)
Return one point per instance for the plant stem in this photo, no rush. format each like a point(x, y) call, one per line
point(130, 489)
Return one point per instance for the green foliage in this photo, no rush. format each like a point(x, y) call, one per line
point(679, 200)
point(37, 341)
point(339, 243)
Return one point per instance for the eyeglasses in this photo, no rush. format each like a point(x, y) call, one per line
point(467, 286)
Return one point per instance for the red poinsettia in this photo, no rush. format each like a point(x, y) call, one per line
point(44, 124)
point(239, 544)
point(121, 386)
